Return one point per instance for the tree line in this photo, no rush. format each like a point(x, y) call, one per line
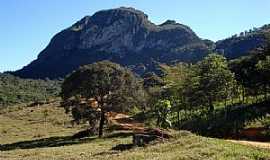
point(181, 89)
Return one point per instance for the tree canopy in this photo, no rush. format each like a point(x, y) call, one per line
point(111, 86)
point(214, 79)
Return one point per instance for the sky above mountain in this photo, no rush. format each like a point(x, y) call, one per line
point(28, 25)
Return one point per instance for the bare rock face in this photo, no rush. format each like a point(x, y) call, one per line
point(122, 35)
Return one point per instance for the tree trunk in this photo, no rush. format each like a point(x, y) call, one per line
point(265, 92)
point(101, 124)
point(178, 119)
point(158, 121)
point(211, 106)
point(243, 95)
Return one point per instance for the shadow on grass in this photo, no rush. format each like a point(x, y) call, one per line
point(119, 135)
point(78, 138)
point(106, 153)
point(46, 142)
point(123, 147)
point(115, 150)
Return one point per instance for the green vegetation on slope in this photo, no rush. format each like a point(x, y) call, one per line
point(210, 97)
point(216, 97)
point(14, 90)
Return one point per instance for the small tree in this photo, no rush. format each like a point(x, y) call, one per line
point(176, 79)
point(153, 89)
point(113, 87)
point(163, 108)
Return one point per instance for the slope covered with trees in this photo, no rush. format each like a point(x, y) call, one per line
point(14, 90)
point(241, 44)
point(204, 97)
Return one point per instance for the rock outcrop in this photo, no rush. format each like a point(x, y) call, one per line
point(122, 35)
point(126, 36)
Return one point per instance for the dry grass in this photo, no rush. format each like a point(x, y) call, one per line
point(40, 140)
point(28, 123)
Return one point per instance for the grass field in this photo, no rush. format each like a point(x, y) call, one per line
point(41, 133)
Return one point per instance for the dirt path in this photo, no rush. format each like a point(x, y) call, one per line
point(124, 122)
point(251, 143)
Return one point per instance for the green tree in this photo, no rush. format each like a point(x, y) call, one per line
point(163, 108)
point(176, 80)
point(251, 72)
point(263, 67)
point(153, 89)
point(150, 79)
point(213, 80)
point(113, 87)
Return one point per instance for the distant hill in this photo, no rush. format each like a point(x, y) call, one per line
point(126, 36)
point(242, 44)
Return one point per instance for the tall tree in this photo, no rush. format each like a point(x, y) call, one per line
point(153, 88)
point(176, 80)
point(213, 80)
point(263, 67)
point(251, 71)
point(111, 86)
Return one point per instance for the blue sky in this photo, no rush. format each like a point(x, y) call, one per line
point(28, 25)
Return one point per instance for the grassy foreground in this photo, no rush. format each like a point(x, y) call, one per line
point(28, 134)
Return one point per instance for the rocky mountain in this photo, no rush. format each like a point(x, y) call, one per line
point(126, 36)
point(122, 35)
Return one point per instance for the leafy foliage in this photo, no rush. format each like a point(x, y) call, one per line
point(14, 90)
point(214, 80)
point(263, 67)
point(210, 84)
point(113, 87)
point(252, 72)
point(163, 108)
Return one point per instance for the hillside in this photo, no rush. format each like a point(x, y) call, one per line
point(240, 45)
point(14, 90)
point(122, 35)
point(27, 134)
